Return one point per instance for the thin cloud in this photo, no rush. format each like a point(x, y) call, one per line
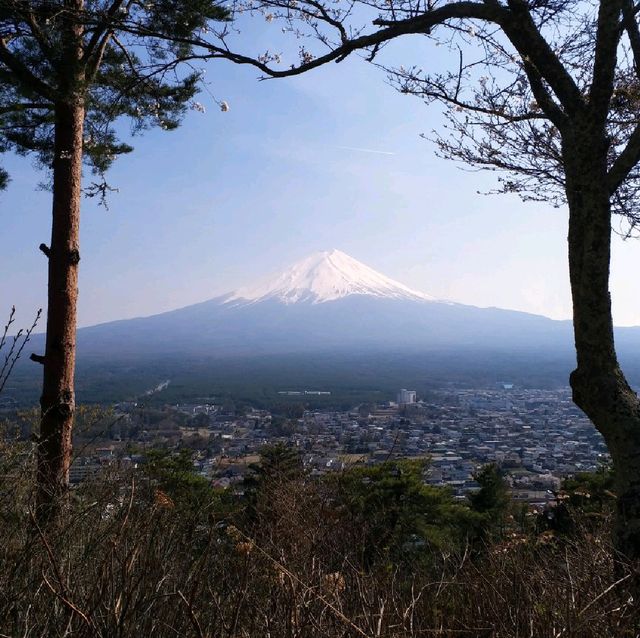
point(365, 150)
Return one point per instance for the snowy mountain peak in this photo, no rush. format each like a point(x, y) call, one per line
point(325, 276)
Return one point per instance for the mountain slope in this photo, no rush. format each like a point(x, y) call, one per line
point(326, 302)
point(326, 321)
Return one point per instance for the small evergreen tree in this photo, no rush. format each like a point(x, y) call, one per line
point(492, 500)
point(278, 463)
point(176, 481)
point(593, 492)
point(588, 494)
point(399, 517)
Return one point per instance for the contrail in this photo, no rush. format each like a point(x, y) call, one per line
point(365, 150)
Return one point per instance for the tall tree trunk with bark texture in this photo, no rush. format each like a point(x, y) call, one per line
point(58, 393)
point(58, 398)
point(599, 386)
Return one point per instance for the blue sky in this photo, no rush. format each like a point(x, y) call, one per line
point(231, 196)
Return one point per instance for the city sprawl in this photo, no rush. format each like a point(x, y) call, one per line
point(536, 436)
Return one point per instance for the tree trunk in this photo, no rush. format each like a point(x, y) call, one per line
point(599, 386)
point(58, 399)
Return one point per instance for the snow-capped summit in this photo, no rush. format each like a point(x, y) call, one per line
point(325, 276)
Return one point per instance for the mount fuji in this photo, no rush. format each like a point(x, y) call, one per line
point(328, 301)
point(326, 276)
point(327, 320)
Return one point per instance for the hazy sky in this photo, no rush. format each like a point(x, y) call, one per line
point(332, 159)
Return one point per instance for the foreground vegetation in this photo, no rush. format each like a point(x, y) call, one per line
point(370, 552)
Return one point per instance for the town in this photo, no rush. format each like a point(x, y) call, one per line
point(536, 436)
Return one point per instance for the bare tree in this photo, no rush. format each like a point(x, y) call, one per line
point(547, 91)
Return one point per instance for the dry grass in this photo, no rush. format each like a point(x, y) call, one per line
point(130, 564)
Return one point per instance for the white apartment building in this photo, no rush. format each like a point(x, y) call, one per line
point(406, 396)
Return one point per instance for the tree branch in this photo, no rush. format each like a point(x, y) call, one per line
point(629, 13)
point(604, 67)
point(25, 106)
point(391, 29)
point(534, 49)
point(41, 39)
point(95, 59)
point(24, 74)
point(101, 28)
point(625, 162)
point(543, 97)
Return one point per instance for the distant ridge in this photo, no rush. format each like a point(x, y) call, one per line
point(325, 276)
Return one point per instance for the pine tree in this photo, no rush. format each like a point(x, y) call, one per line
point(69, 71)
point(492, 499)
point(279, 463)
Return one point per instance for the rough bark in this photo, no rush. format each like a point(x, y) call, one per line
point(599, 385)
point(58, 396)
point(58, 399)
